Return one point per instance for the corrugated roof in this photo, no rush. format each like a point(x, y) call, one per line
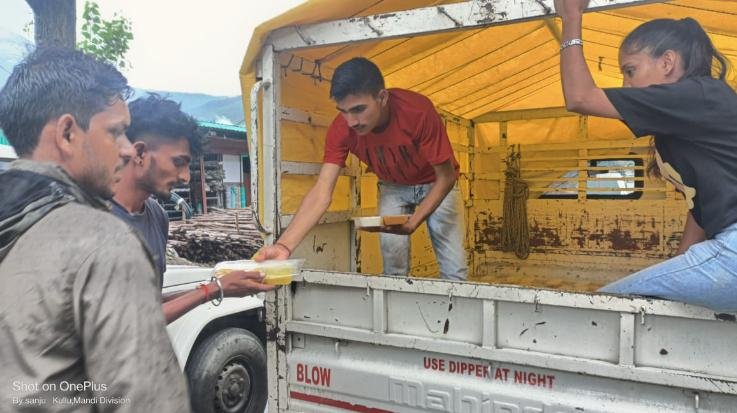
point(221, 126)
point(6, 151)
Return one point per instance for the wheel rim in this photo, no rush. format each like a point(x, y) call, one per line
point(233, 388)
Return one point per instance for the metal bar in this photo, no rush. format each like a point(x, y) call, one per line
point(302, 116)
point(276, 311)
point(590, 168)
point(585, 157)
point(253, 156)
point(575, 179)
point(623, 144)
point(526, 114)
point(627, 339)
point(452, 117)
point(273, 353)
point(488, 339)
point(379, 311)
point(327, 218)
point(595, 190)
point(353, 233)
point(426, 20)
point(271, 144)
point(308, 168)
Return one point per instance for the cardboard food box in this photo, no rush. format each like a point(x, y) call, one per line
point(380, 221)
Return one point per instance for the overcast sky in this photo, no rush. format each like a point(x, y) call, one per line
point(179, 46)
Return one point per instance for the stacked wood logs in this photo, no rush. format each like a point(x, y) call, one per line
point(219, 235)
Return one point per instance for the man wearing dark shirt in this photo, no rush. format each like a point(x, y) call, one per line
point(164, 140)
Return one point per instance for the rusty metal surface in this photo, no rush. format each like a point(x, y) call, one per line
point(559, 228)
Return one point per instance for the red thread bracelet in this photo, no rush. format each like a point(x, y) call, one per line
point(284, 246)
point(206, 291)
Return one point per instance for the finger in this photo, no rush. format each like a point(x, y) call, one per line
point(265, 253)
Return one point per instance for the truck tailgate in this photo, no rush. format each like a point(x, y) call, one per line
point(347, 342)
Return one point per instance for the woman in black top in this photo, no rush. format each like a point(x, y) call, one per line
point(674, 89)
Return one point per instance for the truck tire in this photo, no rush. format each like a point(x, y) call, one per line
point(227, 373)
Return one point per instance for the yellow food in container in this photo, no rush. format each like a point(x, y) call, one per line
point(277, 272)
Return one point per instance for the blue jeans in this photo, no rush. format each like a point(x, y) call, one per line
point(445, 225)
point(705, 275)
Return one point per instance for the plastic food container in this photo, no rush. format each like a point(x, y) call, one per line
point(278, 272)
point(380, 221)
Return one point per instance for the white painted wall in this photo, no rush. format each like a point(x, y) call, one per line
point(7, 152)
point(232, 168)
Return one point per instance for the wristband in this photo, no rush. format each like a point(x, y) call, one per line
point(222, 293)
point(571, 42)
point(285, 247)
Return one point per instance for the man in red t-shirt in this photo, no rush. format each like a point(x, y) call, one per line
point(401, 138)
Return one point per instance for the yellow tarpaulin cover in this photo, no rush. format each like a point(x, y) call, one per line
point(500, 68)
point(469, 73)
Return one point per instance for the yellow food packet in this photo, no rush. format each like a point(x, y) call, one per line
point(277, 272)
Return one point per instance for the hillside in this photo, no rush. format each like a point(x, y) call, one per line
point(211, 108)
point(12, 49)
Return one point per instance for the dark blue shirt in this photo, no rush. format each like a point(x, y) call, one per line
point(153, 226)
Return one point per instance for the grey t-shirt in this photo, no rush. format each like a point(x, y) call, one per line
point(152, 225)
point(81, 327)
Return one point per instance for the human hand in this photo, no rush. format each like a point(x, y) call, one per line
point(243, 283)
point(570, 8)
point(272, 252)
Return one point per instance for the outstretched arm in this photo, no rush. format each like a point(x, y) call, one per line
point(579, 90)
point(235, 284)
point(313, 206)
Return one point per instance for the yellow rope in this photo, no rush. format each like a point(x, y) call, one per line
point(515, 229)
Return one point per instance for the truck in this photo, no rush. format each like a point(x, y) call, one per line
point(527, 332)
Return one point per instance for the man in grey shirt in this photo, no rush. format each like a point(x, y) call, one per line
point(80, 322)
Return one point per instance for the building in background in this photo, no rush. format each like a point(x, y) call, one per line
point(221, 177)
point(7, 154)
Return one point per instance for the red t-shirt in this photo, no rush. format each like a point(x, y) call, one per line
point(405, 151)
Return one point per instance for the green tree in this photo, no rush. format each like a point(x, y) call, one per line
point(107, 40)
